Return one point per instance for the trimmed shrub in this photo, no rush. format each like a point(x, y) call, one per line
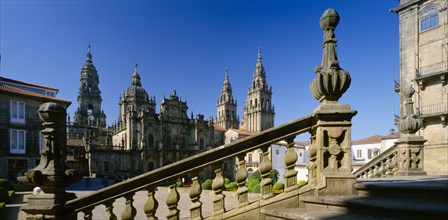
point(256, 175)
point(8, 185)
point(252, 183)
point(256, 188)
point(302, 183)
point(179, 183)
point(207, 184)
point(226, 181)
point(274, 175)
point(231, 186)
point(4, 195)
point(278, 186)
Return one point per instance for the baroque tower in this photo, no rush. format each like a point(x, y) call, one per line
point(226, 106)
point(259, 112)
point(89, 96)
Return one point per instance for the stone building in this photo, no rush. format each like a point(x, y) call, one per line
point(259, 112)
point(227, 106)
point(20, 126)
point(423, 65)
point(141, 139)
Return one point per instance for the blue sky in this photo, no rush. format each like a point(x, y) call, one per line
point(185, 45)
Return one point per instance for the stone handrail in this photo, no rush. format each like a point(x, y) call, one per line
point(383, 165)
point(191, 165)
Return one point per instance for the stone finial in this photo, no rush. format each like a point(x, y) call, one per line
point(331, 80)
point(409, 123)
point(52, 174)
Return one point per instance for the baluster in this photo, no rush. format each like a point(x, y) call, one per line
point(389, 166)
point(172, 201)
point(195, 195)
point(218, 187)
point(376, 171)
point(290, 164)
point(109, 210)
point(129, 211)
point(88, 213)
point(241, 177)
point(395, 163)
point(381, 169)
point(151, 205)
point(312, 164)
point(265, 170)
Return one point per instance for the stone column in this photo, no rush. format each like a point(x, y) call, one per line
point(410, 145)
point(331, 131)
point(52, 174)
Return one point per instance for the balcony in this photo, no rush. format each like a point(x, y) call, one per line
point(431, 72)
point(435, 110)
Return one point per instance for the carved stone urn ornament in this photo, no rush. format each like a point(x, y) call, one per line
point(331, 80)
point(409, 123)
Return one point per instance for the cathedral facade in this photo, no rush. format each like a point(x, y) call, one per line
point(143, 139)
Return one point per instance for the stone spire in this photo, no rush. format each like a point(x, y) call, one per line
point(226, 106)
point(89, 95)
point(259, 111)
point(331, 80)
point(136, 77)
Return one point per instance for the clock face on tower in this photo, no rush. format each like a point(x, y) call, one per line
point(91, 117)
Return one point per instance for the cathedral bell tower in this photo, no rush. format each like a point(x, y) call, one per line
point(89, 96)
point(226, 106)
point(259, 112)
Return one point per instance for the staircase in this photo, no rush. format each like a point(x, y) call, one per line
point(422, 197)
point(332, 192)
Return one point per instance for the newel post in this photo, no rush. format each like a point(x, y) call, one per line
point(330, 151)
point(52, 174)
point(410, 145)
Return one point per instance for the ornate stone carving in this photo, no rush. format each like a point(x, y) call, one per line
point(265, 170)
point(172, 201)
point(241, 177)
point(290, 164)
point(409, 123)
point(151, 205)
point(331, 81)
point(129, 211)
point(218, 200)
point(195, 195)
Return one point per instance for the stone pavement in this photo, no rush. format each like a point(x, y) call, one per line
point(12, 209)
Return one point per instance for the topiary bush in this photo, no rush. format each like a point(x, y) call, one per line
point(256, 188)
point(231, 186)
point(302, 183)
point(179, 183)
point(4, 196)
point(226, 181)
point(252, 183)
point(8, 185)
point(207, 184)
point(278, 186)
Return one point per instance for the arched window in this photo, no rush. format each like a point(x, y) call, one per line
point(429, 18)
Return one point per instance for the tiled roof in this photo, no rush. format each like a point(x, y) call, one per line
point(219, 128)
point(243, 132)
point(16, 91)
point(24, 83)
point(376, 138)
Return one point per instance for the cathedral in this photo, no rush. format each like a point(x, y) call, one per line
point(143, 139)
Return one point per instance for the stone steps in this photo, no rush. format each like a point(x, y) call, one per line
point(376, 199)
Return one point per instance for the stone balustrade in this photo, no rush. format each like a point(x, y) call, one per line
point(329, 126)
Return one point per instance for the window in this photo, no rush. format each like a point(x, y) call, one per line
point(106, 166)
point(50, 94)
point(17, 141)
point(358, 153)
point(276, 151)
point(369, 153)
point(260, 158)
point(249, 158)
point(429, 18)
point(17, 111)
